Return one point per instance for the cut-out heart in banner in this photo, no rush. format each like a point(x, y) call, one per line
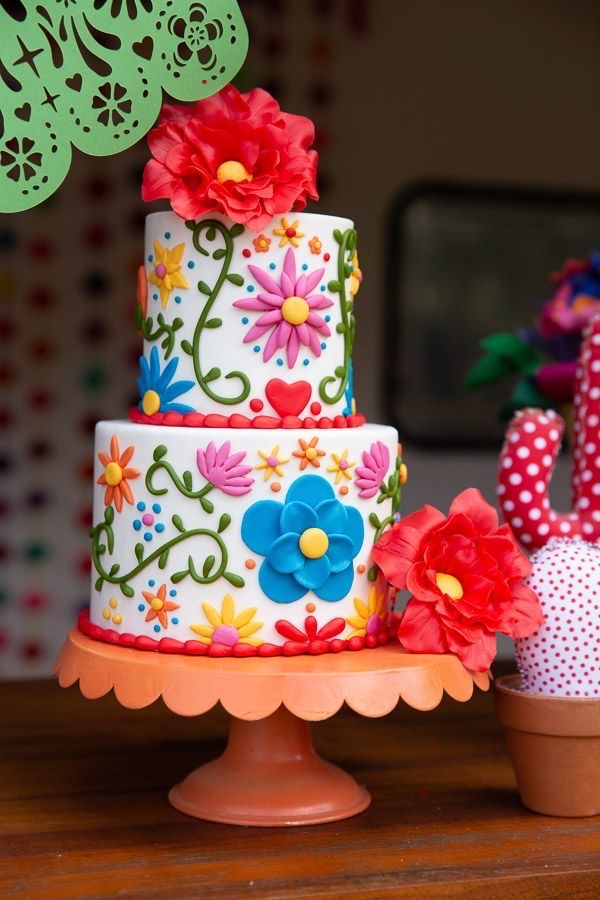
point(90, 74)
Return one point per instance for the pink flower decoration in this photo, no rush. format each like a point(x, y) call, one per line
point(224, 470)
point(369, 476)
point(289, 311)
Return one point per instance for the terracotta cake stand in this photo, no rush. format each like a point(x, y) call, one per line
point(269, 773)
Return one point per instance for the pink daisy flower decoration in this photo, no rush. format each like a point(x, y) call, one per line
point(223, 469)
point(289, 311)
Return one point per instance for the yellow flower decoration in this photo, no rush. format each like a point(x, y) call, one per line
point(369, 618)
point(356, 277)
point(226, 627)
point(341, 466)
point(167, 273)
point(289, 234)
point(272, 462)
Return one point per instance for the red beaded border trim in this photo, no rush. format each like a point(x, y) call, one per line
point(197, 648)
point(215, 420)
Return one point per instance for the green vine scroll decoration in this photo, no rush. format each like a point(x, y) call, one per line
point(209, 572)
point(390, 490)
point(225, 253)
point(184, 484)
point(347, 327)
point(145, 324)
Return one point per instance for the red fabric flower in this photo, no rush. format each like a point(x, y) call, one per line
point(237, 154)
point(465, 576)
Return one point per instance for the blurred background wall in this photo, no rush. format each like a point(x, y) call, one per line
point(500, 92)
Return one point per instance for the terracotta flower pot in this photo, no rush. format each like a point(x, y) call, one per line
point(554, 743)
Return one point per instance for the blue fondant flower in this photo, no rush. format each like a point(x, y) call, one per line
point(157, 390)
point(308, 542)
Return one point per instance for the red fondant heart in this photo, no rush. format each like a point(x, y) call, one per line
point(288, 399)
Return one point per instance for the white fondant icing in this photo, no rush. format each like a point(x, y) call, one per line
point(222, 347)
point(181, 446)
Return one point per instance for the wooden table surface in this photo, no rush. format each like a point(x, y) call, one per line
point(84, 811)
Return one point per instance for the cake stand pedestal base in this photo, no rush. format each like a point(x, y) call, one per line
point(270, 774)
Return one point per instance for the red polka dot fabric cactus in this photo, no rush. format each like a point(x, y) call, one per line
point(529, 454)
point(561, 657)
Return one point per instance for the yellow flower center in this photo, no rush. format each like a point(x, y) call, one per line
point(113, 474)
point(232, 170)
point(157, 604)
point(313, 543)
point(295, 310)
point(151, 403)
point(449, 585)
point(311, 453)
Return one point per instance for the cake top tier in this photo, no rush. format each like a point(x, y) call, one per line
point(245, 302)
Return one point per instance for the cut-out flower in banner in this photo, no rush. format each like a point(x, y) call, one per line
point(91, 74)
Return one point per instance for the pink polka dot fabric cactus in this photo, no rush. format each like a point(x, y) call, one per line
point(529, 454)
point(562, 658)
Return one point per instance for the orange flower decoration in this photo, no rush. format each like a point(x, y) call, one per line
point(117, 474)
point(308, 453)
point(159, 605)
point(261, 243)
point(315, 245)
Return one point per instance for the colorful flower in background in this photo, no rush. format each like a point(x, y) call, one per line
point(309, 453)
point(544, 357)
point(289, 311)
point(228, 628)
point(157, 390)
point(464, 574)
point(370, 616)
point(289, 232)
point(272, 462)
point(342, 466)
point(308, 542)
point(261, 243)
point(356, 276)
point(117, 474)
point(166, 273)
point(376, 462)
point(160, 607)
point(222, 469)
point(237, 154)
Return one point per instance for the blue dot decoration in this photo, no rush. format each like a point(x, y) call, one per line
point(250, 288)
point(173, 593)
point(323, 287)
point(175, 620)
point(191, 264)
point(141, 506)
point(328, 318)
point(279, 362)
point(152, 582)
point(167, 235)
point(150, 258)
point(159, 527)
point(256, 348)
point(155, 296)
point(323, 345)
point(305, 362)
point(156, 507)
point(157, 628)
point(148, 536)
point(304, 266)
point(245, 320)
point(272, 266)
point(141, 607)
point(177, 299)
point(137, 525)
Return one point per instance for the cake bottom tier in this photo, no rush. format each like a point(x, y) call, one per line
point(238, 541)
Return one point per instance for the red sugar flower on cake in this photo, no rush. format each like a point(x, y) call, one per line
point(369, 476)
point(117, 473)
point(465, 576)
point(289, 311)
point(222, 469)
point(237, 154)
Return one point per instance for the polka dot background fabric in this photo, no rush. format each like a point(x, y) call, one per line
point(561, 659)
point(68, 344)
